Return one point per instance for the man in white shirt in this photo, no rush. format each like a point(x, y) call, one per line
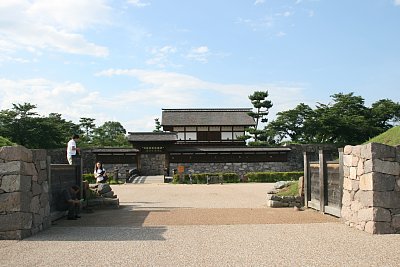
point(72, 149)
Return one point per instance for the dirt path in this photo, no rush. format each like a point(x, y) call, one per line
point(168, 204)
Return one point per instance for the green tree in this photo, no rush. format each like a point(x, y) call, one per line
point(157, 125)
point(87, 126)
point(25, 127)
point(344, 121)
point(261, 105)
point(111, 133)
point(289, 125)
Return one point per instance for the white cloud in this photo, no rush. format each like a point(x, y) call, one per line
point(397, 2)
point(264, 23)
point(258, 2)
point(51, 24)
point(135, 108)
point(162, 89)
point(49, 96)
point(200, 54)
point(160, 56)
point(285, 14)
point(281, 34)
point(138, 3)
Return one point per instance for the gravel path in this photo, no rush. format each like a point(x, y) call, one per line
point(215, 225)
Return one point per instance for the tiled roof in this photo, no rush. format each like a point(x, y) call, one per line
point(207, 117)
point(152, 136)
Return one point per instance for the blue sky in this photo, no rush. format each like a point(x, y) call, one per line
point(126, 60)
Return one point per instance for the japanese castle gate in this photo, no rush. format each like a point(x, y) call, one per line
point(203, 140)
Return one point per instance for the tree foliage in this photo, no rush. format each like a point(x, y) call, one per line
point(261, 105)
point(22, 125)
point(157, 125)
point(111, 133)
point(344, 121)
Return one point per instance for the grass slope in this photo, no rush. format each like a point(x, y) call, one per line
point(5, 142)
point(391, 137)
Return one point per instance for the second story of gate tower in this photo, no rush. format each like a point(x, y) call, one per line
point(208, 126)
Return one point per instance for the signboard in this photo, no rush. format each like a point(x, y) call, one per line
point(181, 169)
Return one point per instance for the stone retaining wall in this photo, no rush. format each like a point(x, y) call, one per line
point(240, 168)
point(24, 198)
point(371, 188)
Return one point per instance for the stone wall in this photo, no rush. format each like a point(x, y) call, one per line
point(371, 188)
point(240, 168)
point(24, 198)
point(152, 164)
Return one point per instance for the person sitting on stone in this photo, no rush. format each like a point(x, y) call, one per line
point(100, 173)
point(70, 202)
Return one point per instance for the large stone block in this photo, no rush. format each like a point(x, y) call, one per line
point(366, 214)
point(36, 189)
point(346, 198)
point(42, 176)
point(353, 173)
point(387, 167)
point(388, 200)
point(366, 151)
point(39, 155)
point(378, 151)
point(377, 182)
point(378, 228)
point(15, 182)
point(356, 151)
point(348, 160)
point(35, 204)
point(366, 198)
point(15, 235)
point(360, 168)
point(44, 200)
point(354, 161)
point(375, 214)
point(16, 201)
point(396, 222)
point(37, 220)
point(15, 221)
point(347, 184)
point(15, 153)
point(347, 150)
point(17, 167)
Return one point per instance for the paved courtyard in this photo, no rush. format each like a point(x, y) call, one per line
point(200, 225)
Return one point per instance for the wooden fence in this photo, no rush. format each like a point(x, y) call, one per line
point(62, 176)
point(323, 183)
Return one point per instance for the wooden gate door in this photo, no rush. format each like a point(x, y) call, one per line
point(323, 183)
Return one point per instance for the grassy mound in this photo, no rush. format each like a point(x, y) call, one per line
point(391, 137)
point(5, 142)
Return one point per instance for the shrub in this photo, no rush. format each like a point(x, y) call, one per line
point(272, 177)
point(90, 178)
point(201, 178)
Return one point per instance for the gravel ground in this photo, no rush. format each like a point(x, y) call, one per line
point(215, 225)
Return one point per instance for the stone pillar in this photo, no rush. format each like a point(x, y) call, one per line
point(371, 188)
point(24, 200)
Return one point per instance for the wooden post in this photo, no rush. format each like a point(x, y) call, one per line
point(322, 181)
point(341, 176)
point(307, 184)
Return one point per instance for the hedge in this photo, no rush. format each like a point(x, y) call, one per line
point(201, 178)
point(272, 177)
